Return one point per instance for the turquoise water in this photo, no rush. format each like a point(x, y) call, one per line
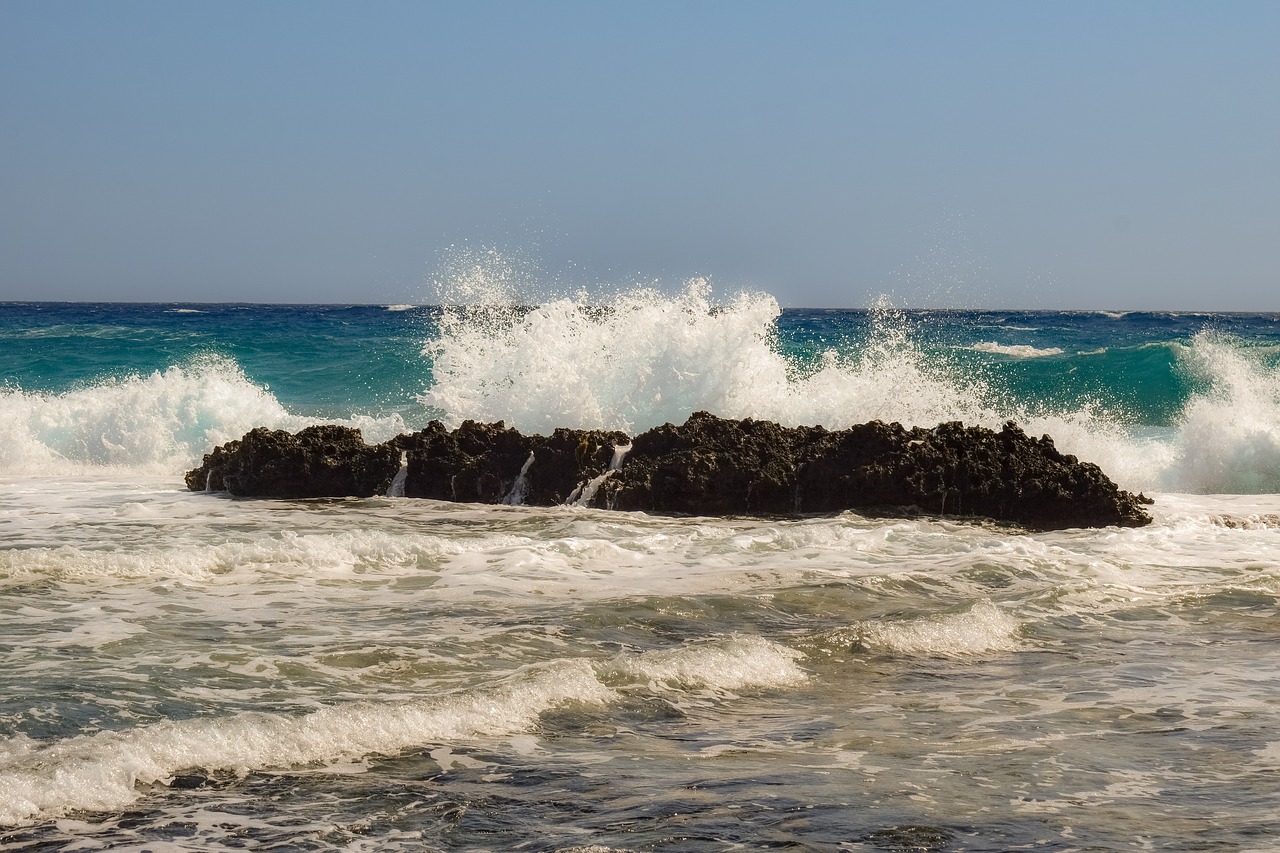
point(1185, 402)
point(333, 360)
point(183, 671)
point(324, 360)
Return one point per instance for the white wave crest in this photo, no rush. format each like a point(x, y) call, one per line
point(1228, 436)
point(294, 554)
point(982, 629)
point(156, 424)
point(102, 771)
point(735, 663)
point(1015, 350)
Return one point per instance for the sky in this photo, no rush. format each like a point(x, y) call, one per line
point(1057, 155)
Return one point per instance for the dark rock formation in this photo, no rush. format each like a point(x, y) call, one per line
point(490, 463)
point(707, 466)
point(712, 466)
point(317, 462)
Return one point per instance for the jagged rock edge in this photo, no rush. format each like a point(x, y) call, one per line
point(707, 466)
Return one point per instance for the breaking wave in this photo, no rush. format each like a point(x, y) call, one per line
point(1015, 350)
point(155, 424)
point(645, 358)
point(108, 770)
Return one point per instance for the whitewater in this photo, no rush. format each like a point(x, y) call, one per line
point(185, 670)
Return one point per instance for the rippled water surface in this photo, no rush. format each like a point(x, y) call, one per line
point(183, 670)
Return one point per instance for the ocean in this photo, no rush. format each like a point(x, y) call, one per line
point(184, 671)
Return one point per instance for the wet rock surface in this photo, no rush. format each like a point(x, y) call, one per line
point(706, 466)
point(316, 462)
point(713, 466)
point(492, 463)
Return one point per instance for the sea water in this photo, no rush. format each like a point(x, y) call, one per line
point(185, 670)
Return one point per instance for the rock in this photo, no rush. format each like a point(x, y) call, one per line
point(490, 463)
point(477, 463)
point(713, 466)
point(188, 781)
point(707, 466)
point(317, 462)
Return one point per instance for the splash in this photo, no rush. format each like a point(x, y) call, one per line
point(638, 362)
point(156, 424)
point(1228, 435)
point(645, 359)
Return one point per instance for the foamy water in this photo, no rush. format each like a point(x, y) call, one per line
point(361, 637)
point(153, 424)
point(645, 359)
point(1016, 350)
point(189, 671)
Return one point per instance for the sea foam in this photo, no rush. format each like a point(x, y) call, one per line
point(1228, 435)
point(724, 664)
point(982, 629)
point(644, 358)
point(103, 771)
point(149, 424)
point(1015, 350)
point(107, 770)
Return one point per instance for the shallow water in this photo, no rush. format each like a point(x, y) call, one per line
point(397, 673)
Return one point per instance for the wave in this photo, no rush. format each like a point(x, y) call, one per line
point(108, 770)
point(1228, 434)
point(355, 551)
point(982, 629)
point(644, 358)
point(156, 424)
point(1016, 350)
point(736, 664)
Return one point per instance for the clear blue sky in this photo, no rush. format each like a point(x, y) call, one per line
point(977, 154)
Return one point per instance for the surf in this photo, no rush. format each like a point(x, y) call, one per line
point(157, 423)
point(1170, 403)
point(108, 770)
point(643, 358)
